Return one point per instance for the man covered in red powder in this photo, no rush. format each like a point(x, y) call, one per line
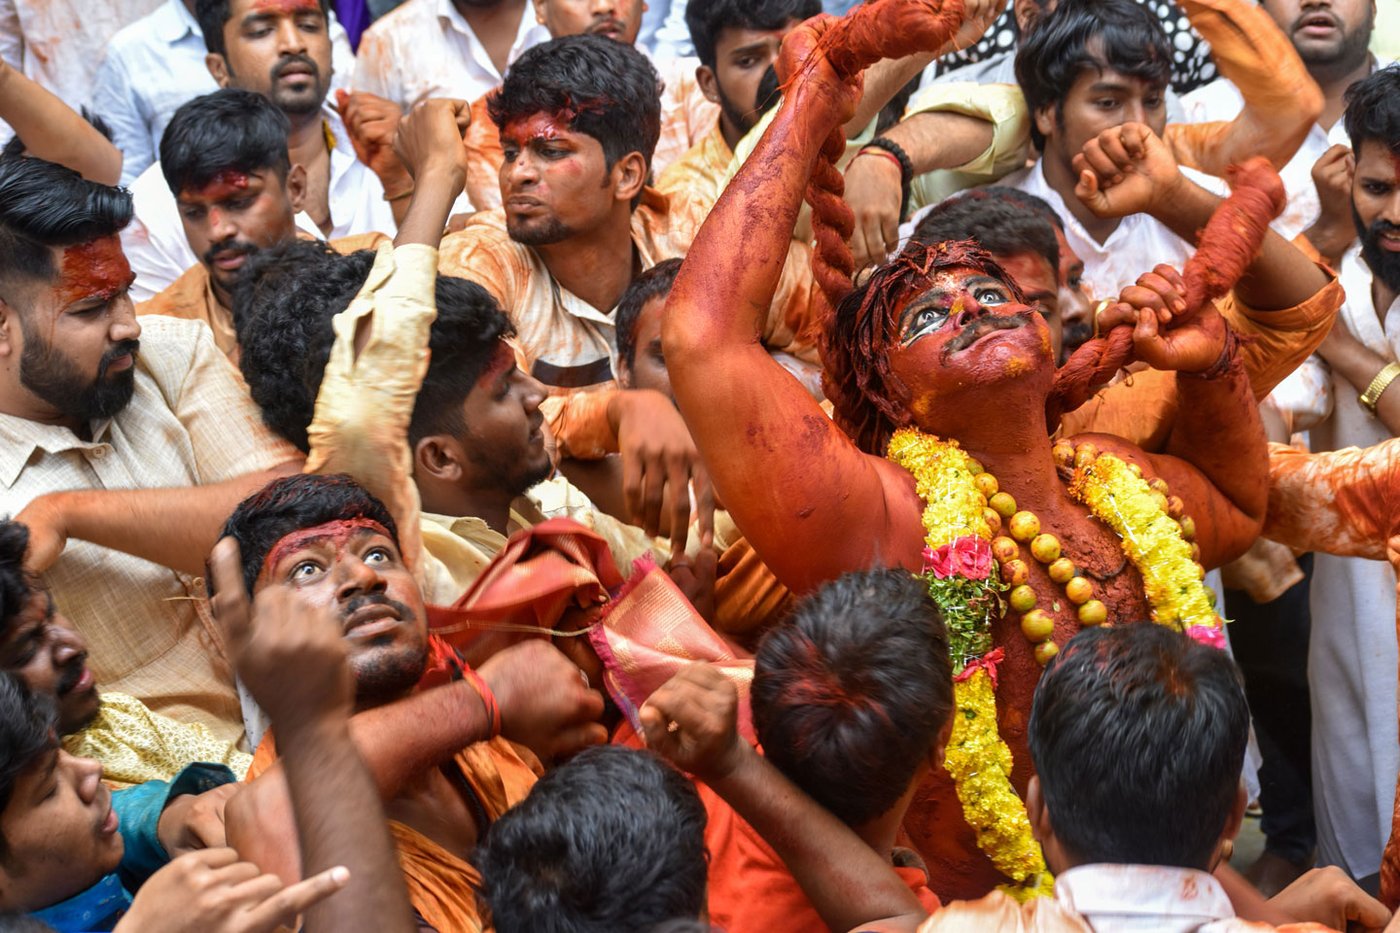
point(941, 341)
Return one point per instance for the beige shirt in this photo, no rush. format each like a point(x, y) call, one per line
point(361, 428)
point(190, 422)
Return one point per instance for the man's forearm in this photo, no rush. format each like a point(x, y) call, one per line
point(53, 131)
point(936, 139)
point(340, 821)
point(175, 527)
point(883, 81)
point(428, 208)
point(1358, 364)
point(403, 739)
point(847, 882)
point(1280, 277)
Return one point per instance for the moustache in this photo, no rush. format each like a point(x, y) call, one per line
point(357, 603)
point(981, 327)
point(227, 247)
point(611, 24)
point(1331, 18)
point(126, 347)
point(1380, 228)
point(286, 62)
point(72, 673)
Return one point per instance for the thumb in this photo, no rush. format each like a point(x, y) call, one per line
point(1087, 188)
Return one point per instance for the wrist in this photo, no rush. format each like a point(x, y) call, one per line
point(490, 706)
point(731, 768)
point(1183, 206)
point(311, 728)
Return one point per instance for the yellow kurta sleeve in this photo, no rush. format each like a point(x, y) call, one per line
point(1001, 105)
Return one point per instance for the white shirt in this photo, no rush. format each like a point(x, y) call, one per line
point(155, 244)
point(1352, 655)
point(155, 65)
point(1221, 100)
point(1135, 246)
point(1158, 898)
point(426, 48)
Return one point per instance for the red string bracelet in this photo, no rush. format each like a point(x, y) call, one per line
point(488, 699)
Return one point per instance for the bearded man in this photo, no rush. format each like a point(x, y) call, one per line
point(940, 341)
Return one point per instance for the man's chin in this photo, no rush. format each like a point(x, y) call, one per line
point(77, 711)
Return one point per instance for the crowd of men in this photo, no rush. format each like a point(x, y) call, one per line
point(447, 474)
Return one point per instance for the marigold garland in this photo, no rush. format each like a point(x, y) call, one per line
point(966, 586)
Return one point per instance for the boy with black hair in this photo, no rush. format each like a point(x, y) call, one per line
point(224, 156)
point(82, 404)
point(638, 322)
point(612, 840)
point(283, 52)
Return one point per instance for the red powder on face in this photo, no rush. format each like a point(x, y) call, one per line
point(501, 361)
point(96, 269)
point(338, 533)
point(228, 183)
point(286, 7)
point(539, 126)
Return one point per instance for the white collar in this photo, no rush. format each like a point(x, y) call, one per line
point(1143, 891)
point(173, 22)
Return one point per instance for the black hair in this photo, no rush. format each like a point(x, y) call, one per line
point(1373, 109)
point(228, 130)
point(997, 224)
point(283, 300)
point(654, 283)
point(27, 724)
point(604, 89)
point(769, 92)
point(294, 503)
point(849, 695)
point(44, 205)
point(1089, 35)
point(1031, 202)
point(1138, 735)
point(283, 303)
point(15, 148)
point(612, 841)
point(706, 19)
point(214, 14)
point(16, 583)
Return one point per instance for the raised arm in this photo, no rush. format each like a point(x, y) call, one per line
point(52, 130)
point(784, 471)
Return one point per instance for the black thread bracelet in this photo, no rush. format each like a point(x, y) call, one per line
point(906, 169)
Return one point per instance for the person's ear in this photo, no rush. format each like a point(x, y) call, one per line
point(9, 330)
point(709, 83)
point(940, 744)
point(1027, 13)
point(1236, 818)
point(540, 7)
point(1045, 120)
point(630, 174)
point(218, 68)
point(439, 457)
point(1037, 812)
point(296, 187)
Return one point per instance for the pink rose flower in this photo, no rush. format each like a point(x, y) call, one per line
point(973, 557)
point(1210, 635)
point(940, 562)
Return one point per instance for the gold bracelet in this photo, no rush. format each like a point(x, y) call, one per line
point(1378, 385)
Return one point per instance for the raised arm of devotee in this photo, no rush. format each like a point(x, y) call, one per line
point(174, 527)
point(1281, 100)
point(372, 123)
point(292, 657)
point(691, 721)
point(775, 457)
point(52, 130)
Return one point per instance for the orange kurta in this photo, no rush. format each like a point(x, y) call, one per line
point(1142, 407)
point(191, 296)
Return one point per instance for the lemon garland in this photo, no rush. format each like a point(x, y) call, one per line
point(964, 582)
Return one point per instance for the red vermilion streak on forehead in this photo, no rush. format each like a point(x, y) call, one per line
point(542, 126)
point(286, 7)
point(501, 361)
point(226, 184)
point(338, 533)
point(95, 269)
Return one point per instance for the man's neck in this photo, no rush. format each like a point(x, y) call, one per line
point(495, 27)
point(1061, 177)
point(596, 267)
point(19, 402)
point(1382, 297)
point(491, 506)
point(1334, 83)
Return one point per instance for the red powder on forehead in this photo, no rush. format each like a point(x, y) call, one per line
point(96, 269)
point(337, 532)
point(501, 361)
point(546, 125)
point(286, 7)
point(226, 184)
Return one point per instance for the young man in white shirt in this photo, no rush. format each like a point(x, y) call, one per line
point(284, 53)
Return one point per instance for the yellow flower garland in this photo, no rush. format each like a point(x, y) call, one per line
point(976, 757)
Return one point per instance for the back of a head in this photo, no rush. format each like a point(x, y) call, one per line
point(230, 130)
point(212, 15)
point(706, 19)
point(850, 694)
point(1000, 225)
point(652, 284)
point(16, 585)
point(612, 841)
point(294, 503)
point(283, 303)
point(1138, 735)
point(1089, 35)
point(1373, 109)
point(593, 85)
point(44, 205)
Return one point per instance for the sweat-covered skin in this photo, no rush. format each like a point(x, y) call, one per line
point(941, 341)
